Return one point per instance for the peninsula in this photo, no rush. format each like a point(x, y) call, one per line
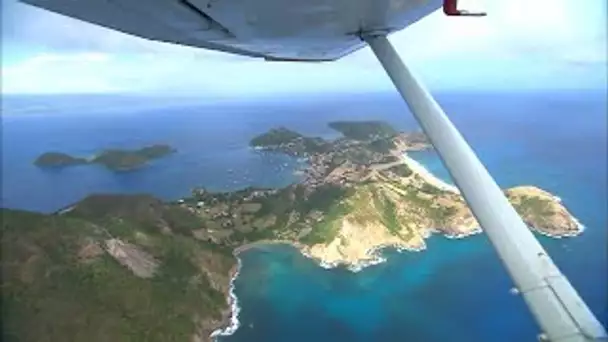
point(113, 159)
point(116, 266)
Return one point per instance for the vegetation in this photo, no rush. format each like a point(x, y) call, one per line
point(290, 142)
point(364, 130)
point(375, 137)
point(534, 210)
point(441, 214)
point(324, 197)
point(315, 145)
point(275, 137)
point(431, 189)
point(389, 216)
point(62, 283)
point(358, 155)
point(146, 211)
point(401, 170)
point(329, 227)
point(535, 206)
point(383, 145)
point(294, 202)
point(124, 160)
point(113, 159)
point(58, 159)
point(388, 159)
point(54, 290)
point(277, 204)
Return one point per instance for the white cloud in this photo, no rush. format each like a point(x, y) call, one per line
point(510, 25)
point(84, 57)
point(48, 59)
point(59, 73)
point(98, 72)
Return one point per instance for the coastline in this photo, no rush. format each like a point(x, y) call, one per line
point(243, 248)
point(425, 174)
point(375, 253)
point(429, 177)
point(579, 225)
point(230, 318)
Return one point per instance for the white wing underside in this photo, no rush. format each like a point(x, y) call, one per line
point(307, 30)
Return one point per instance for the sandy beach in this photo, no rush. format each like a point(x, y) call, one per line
point(261, 243)
point(420, 170)
point(416, 167)
point(231, 323)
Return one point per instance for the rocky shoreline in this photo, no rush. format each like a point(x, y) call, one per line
point(230, 320)
point(579, 231)
point(363, 233)
point(425, 174)
point(359, 195)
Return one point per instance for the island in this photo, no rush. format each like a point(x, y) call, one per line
point(58, 159)
point(113, 159)
point(116, 266)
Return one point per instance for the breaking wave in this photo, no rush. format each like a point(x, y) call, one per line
point(234, 306)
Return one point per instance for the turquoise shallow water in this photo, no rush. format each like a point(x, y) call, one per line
point(454, 291)
point(427, 296)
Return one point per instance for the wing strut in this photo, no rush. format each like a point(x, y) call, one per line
point(558, 309)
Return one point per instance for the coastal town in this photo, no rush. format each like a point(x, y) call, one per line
point(346, 160)
point(333, 167)
point(361, 187)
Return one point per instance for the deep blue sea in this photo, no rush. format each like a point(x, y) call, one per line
point(456, 290)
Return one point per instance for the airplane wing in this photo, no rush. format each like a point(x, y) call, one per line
point(325, 30)
point(276, 30)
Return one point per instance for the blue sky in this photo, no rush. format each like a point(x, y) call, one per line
point(522, 44)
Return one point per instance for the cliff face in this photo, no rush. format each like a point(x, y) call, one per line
point(543, 212)
point(401, 212)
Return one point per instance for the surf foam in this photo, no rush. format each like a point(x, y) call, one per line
point(234, 308)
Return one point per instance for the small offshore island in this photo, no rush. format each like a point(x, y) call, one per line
point(113, 159)
point(113, 266)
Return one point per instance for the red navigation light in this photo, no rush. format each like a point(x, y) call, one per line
point(450, 7)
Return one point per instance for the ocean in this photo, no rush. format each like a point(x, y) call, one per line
point(456, 290)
